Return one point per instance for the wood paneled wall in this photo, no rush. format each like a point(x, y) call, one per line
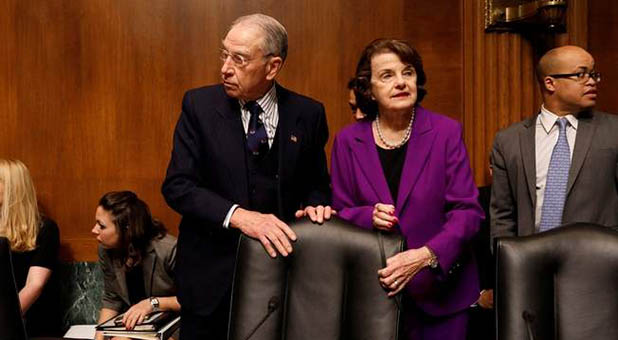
point(90, 90)
point(499, 85)
point(499, 80)
point(602, 43)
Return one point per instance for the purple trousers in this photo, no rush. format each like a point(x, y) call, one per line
point(417, 325)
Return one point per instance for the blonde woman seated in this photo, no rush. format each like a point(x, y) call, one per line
point(34, 242)
point(137, 257)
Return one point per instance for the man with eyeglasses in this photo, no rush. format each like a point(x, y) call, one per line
point(248, 157)
point(559, 166)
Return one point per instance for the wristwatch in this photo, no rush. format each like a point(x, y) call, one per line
point(433, 261)
point(155, 304)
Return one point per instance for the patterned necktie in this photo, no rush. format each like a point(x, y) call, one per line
point(557, 178)
point(256, 134)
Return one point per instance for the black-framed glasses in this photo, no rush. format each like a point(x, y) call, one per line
point(580, 76)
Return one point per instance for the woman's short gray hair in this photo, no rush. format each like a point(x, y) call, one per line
point(275, 36)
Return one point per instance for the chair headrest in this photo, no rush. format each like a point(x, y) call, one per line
point(328, 286)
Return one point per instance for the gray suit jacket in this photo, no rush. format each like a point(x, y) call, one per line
point(158, 265)
point(592, 189)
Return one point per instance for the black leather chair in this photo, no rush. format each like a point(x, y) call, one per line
point(11, 324)
point(326, 289)
point(561, 284)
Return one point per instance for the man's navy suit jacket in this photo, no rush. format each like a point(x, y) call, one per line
point(208, 173)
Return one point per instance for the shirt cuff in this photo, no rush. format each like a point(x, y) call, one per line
point(228, 217)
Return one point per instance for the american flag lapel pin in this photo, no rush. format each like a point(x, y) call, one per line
point(293, 138)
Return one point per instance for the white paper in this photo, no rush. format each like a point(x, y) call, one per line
point(81, 332)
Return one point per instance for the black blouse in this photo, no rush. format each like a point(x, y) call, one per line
point(392, 161)
point(39, 321)
point(135, 284)
point(44, 255)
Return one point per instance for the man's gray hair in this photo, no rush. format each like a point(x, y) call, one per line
point(275, 36)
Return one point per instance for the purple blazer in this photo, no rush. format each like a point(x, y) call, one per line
point(437, 203)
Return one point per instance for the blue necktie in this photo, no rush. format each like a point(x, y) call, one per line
point(257, 139)
point(557, 178)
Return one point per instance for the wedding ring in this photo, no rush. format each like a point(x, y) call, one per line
point(395, 282)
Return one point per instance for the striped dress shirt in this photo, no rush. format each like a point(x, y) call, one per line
point(269, 115)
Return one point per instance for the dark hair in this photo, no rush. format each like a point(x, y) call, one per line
point(405, 52)
point(134, 223)
point(361, 100)
point(352, 83)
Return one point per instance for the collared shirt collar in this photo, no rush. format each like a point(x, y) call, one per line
point(266, 100)
point(548, 119)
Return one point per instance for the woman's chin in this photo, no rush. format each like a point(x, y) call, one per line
point(400, 105)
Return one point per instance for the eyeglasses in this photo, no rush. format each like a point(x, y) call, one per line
point(581, 77)
point(237, 59)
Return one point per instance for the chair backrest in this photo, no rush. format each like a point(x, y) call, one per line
point(326, 289)
point(565, 280)
point(11, 323)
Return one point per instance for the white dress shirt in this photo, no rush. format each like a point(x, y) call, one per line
point(546, 137)
point(270, 118)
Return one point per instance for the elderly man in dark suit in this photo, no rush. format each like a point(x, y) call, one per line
point(248, 155)
point(559, 166)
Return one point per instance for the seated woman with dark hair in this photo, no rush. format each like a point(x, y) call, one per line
point(405, 169)
point(34, 242)
point(137, 257)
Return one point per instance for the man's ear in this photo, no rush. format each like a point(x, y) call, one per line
point(549, 84)
point(274, 66)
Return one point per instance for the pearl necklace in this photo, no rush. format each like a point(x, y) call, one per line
point(406, 136)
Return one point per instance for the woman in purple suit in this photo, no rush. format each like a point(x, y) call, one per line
point(405, 169)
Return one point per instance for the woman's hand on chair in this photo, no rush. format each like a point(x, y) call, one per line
point(401, 268)
point(383, 216)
